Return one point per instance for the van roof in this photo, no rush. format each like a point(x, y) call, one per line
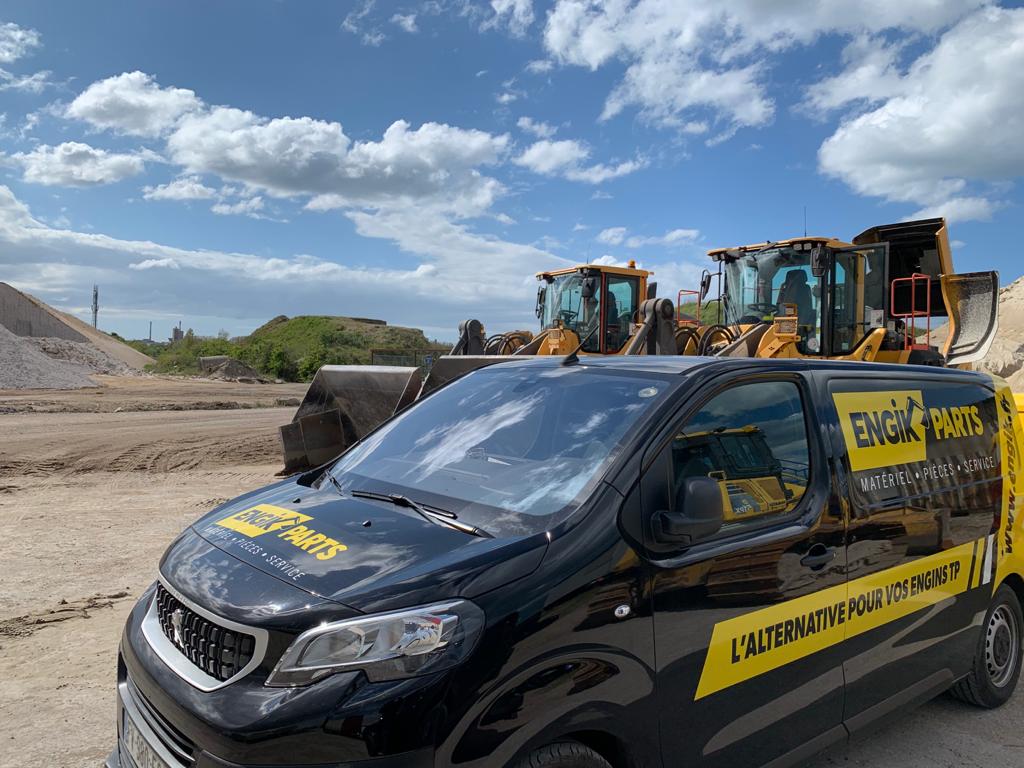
point(687, 364)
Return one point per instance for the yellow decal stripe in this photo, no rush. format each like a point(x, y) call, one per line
point(758, 642)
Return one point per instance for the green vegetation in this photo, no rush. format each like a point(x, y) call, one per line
point(709, 312)
point(288, 348)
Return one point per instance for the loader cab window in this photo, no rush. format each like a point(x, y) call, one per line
point(751, 439)
point(566, 305)
point(758, 285)
point(621, 303)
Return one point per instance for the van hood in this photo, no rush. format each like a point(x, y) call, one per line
point(365, 554)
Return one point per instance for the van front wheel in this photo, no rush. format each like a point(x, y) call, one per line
point(563, 754)
point(997, 662)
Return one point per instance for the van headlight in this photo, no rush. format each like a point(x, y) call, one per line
point(386, 646)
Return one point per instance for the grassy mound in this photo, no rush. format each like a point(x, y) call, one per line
point(289, 348)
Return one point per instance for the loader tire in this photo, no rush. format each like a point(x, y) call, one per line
point(715, 334)
point(997, 660)
point(563, 754)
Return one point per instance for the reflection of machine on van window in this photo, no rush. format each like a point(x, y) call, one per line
point(754, 482)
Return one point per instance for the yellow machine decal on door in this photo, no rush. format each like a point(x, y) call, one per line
point(758, 642)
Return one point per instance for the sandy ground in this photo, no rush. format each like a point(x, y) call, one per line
point(89, 501)
point(151, 393)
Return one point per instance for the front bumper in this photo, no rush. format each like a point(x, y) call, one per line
point(343, 721)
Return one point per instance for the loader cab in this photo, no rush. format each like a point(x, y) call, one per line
point(890, 296)
point(596, 304)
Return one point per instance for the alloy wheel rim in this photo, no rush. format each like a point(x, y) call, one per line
point(1002, 646)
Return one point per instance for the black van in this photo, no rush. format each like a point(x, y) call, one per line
point(534, 566)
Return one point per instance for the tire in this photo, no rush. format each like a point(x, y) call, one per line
point(563, 754)
point(723, 332)
point(997, 661)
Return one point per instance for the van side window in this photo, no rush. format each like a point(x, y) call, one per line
point(752, 439)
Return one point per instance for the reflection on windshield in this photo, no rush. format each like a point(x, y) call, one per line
point(522, 441)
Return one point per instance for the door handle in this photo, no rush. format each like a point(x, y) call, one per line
point(818, 557)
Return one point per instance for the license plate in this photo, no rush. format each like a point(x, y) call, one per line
point(142, 754)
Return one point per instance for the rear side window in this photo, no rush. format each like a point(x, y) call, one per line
point(923, 449)
point(751, 439)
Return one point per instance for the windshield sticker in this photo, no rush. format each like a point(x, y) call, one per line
point(287, 525)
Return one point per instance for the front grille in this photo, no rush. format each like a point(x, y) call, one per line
point(219, 652)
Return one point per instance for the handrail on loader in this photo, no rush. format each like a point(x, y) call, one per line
point(910, 331)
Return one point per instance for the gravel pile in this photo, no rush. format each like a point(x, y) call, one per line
point(234, 370)
point(23, 366)
point(83, 353)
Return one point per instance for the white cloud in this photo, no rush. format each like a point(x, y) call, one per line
point(506, 97)
point(565, 158)
point(672, 238)
point(407, 21)
point(165, 263)
point(16, 42)
point(687, 62)
point(538, 128)
point(540, 66)
point(185, 188)
point(353, 23)
point(434, 163)
point(132, 103)
point(600, 194)
point(953, 119)
point(73, 164)
point(612, 235)
point(34, 83)
point(870, 74)
point(248, 207)
point(517, 15)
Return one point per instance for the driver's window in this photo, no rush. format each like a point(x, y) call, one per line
point(751, 439)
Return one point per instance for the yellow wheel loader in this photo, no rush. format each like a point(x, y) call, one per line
point(879, 298)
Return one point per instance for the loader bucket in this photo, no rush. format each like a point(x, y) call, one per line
point(972, 300)
point(344, 403)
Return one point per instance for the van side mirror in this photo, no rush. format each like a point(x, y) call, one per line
point(819, 261)
point(699, 513)
point(652, 290)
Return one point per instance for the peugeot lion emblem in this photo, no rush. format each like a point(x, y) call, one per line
point(176, 619)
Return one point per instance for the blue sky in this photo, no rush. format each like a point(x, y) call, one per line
point(223, 163)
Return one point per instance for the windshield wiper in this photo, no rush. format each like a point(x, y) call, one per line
point(430, 514)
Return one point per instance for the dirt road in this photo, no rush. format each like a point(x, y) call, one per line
point(89, 501)
point(151, 393)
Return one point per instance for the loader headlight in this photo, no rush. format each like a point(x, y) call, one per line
point(386, 646)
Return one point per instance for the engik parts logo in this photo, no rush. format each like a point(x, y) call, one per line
point(289, 526)
point(889, 428)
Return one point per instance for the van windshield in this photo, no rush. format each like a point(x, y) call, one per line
point(504, 447)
